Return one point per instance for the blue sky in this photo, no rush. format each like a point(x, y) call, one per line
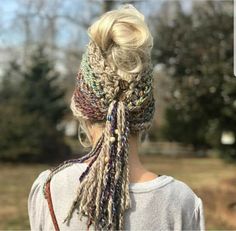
point(11, 34)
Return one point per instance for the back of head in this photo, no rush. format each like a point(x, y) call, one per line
point(117, 66)
point(114, 86)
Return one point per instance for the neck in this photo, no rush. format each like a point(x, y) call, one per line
point(136, 168)
point(137, 171)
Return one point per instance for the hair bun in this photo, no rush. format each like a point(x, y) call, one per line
point(131, 7)
point(124, 38)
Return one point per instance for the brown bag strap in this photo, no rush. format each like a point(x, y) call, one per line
point(50, 206)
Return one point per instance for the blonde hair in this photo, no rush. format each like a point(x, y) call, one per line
point(114, 86)
point(125, 39)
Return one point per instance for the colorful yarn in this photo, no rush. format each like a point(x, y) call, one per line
point(125, 106)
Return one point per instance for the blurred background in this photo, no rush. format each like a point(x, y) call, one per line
point(193, 135)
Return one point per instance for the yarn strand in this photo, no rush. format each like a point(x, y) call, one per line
point(106, 196)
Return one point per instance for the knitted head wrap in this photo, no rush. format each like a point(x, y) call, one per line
point(125, 106)
point(98, 85)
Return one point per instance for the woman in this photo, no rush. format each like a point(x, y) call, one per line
point(109, 188)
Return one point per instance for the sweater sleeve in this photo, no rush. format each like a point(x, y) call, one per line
point(37, 204)
point(198, 221)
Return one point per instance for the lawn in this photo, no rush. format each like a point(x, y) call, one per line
point(213, 180)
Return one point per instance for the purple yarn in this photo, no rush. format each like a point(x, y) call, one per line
point(118, 187)
point(110, 185)
point(90, 164)
point(111, 164)
point(106, 193)
point(81, 159)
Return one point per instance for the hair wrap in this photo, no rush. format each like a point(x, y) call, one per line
point(125, 106)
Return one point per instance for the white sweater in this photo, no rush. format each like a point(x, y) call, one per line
point(164, 203)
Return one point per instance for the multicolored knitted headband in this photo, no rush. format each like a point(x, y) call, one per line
point(126, 106)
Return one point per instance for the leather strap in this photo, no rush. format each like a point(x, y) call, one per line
point(50, 206)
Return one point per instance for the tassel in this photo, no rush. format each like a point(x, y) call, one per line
point(103, 193)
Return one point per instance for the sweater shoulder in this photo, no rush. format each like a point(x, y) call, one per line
point(184, 195)
point(37, 205)
point(66, 181)
point(69, 174)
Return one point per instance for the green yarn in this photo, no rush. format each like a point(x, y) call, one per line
point(92, 81)
point(89, 77)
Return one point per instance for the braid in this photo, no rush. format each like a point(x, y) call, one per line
point(105, 200)
point(70, 162)
point(126, 105)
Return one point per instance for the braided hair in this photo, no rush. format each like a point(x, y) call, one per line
point(113, 86)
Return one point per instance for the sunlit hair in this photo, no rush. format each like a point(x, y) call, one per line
point(114, 86)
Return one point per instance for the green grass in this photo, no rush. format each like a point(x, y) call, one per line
point(203, 175)
point(16, 181)
point(195, 171)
